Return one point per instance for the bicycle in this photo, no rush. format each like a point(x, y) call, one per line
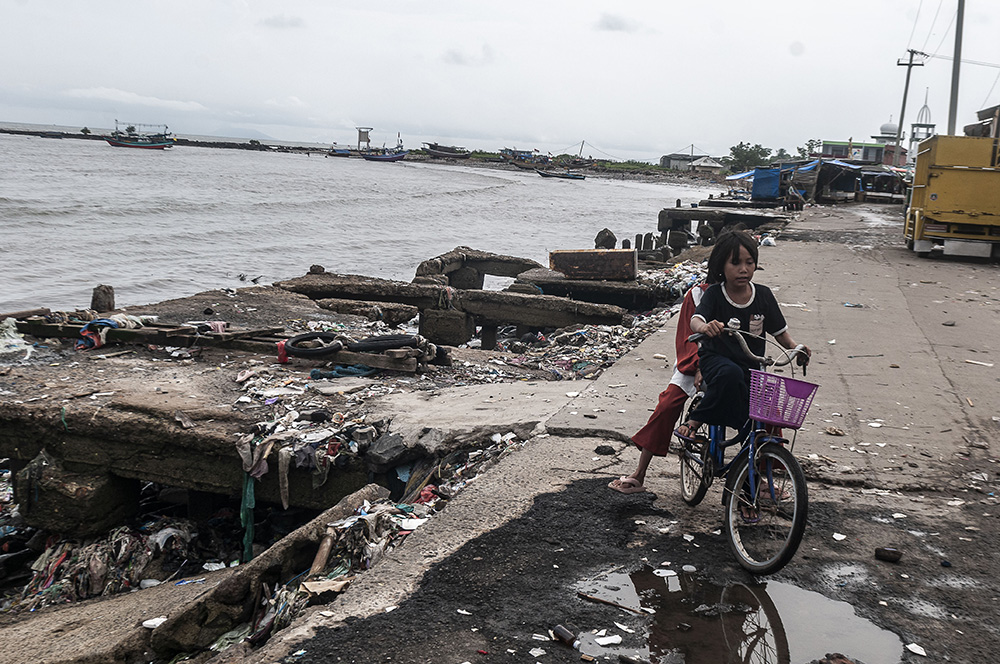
point(765, 492)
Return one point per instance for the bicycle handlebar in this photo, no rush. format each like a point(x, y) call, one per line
point(765, 361)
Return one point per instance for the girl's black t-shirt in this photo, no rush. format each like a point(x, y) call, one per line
point(761, 314)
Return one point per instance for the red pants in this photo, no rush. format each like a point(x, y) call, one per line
point(656, 434)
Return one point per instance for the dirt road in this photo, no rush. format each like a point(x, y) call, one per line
point(905, 353)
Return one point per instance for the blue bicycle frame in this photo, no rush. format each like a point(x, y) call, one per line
point(751, 435)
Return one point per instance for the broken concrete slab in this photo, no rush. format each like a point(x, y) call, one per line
point(438, 422)
point(481, 262)
point(631, 295)
point(73, 504)
point(110, 630)
point(390, 313)
point(488, 307)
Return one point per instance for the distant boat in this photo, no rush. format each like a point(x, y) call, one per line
point(565, 175)
point(149, 137)
point(335, 151)
point(446, 151)
point(527, 159)
point(386, 154)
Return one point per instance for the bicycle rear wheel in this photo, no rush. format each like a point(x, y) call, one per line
point(764, 530)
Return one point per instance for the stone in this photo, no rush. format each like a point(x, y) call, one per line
point(605, 239)
point(103, 299)
point(447, 326)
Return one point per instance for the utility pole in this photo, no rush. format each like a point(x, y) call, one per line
point(955, 65)
point(906, 88)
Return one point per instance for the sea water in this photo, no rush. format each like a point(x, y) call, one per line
point(158, 225)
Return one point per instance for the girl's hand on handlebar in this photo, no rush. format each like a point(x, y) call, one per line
point(712, 328)
point(802, 358)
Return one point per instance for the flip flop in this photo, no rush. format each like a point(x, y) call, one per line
point(625, 484)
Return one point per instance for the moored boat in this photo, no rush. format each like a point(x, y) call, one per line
point(446, 151)
point(155, 137)
point(565, 175)
point(386, 154)
point(389, 155)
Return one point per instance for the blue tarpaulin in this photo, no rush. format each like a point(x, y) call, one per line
point(740, 176)
point(765, 183)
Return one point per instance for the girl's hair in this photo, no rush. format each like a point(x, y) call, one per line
point(727, 249)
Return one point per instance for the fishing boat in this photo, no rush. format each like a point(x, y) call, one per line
point(149, 137)
point(565, 175)
point(527, 159)
point(386, 154)
point(337, 151)
point(446, 151)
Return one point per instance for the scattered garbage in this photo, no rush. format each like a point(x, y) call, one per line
point(915, 649)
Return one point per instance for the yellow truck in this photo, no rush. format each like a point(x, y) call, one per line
point(955, 197)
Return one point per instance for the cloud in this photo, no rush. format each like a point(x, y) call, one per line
point(282, 22)
point(456, 57)
point(614, 23)
point(286, 102)
point(121, 96)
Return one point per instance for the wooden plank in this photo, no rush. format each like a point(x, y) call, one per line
point(153, 333)
point(612, 264)
point(25, 314)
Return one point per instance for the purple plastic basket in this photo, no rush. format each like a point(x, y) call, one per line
point(775, 399)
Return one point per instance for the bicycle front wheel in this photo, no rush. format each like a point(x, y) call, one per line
point(765, 522)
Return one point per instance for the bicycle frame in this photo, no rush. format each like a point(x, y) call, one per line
point(750, 437)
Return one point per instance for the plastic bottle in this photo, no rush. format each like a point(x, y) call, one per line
point(565, 635)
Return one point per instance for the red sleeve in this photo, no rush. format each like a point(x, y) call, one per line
point(687, 351)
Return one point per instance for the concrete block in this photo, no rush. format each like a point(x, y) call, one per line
point(447, 326)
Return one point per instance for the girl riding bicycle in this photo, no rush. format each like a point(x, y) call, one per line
point(735, 302)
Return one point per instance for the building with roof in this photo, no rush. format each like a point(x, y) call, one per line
point(678, 161)
point(706, 165)
point(883, 149)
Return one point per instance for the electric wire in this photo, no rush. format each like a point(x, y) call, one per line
point(985, 101)
point(916, 18)
point(945, 35)
point(933, 23)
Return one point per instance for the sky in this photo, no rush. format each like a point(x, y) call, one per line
point(633, 79)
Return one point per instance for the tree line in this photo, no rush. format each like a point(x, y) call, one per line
point(744, 156)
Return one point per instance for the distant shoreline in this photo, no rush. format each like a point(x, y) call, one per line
point(635, 175)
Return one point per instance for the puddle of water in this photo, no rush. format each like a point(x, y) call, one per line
point(697, 622)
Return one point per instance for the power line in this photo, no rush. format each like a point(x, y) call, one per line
point(946, 31)
point(985, 101)
point(964, 61)
point(933, 23)
point(916, 18)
